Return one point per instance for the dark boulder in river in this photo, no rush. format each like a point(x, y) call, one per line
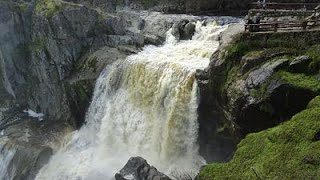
point(183, 30)
point(138, 168)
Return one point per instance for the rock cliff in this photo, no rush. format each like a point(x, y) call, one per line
point(258, 82)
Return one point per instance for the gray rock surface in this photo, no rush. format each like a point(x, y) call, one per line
point(183, 30)
point(300, 64)
point(137, 168)
point(259, 76)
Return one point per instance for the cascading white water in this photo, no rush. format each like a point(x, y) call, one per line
point(144, 106)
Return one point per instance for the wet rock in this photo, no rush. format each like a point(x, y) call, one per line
point(137, 168)
point(279, 103)
point(154, 40)
point(183, 30)
point(260, 75)
point(250, 61)
point(202, 74)
point(188, 31)
point(23, 150)
point(176, 31)
point(300, 64)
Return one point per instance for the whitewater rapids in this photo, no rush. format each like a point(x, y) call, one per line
point(145, 105)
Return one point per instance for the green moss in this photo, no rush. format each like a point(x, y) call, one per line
point(284, 152)
point(37, 44)
point(315, 102)
point(314, 53)
point(93, 62)
point(236, 51)
point(148, 3)
point(90, 63)
point(23, 7)
point(19, 7)
point(293, 40)
point(300, 80)
point(120, 2)
point(297, 80)
point(81, 91)
point(47, 7)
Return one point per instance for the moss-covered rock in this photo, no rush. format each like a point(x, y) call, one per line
point(48, 7)
point(288, 151)
point(79, 94)
point(258, 81)
point(300, 80)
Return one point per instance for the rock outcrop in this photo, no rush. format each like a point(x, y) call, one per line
point(137, 168)
point(288, 151)
point(257, 82)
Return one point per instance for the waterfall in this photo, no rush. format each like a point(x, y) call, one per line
point(145, 105)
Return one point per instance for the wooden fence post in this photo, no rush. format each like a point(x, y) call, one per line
point(304, 25)
point(275, 27)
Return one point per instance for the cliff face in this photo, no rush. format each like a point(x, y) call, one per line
point(50, 57)
point(41, 42)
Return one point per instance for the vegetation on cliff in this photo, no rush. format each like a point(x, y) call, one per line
point(48, 7)
point(271, 89)
point(288, 151)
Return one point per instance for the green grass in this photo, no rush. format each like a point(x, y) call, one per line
point(315, 102)
point(314, 53)
point(287, 151)
point(148, 3)
point(300, 80)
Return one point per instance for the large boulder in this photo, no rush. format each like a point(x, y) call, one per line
point(183, 30)
point(137, 168)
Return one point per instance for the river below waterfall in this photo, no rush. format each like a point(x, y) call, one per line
point(145, 105)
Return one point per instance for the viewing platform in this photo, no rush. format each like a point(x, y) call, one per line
point(274, 17)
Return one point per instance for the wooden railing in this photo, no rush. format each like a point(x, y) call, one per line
point(275, 6)
point(315, 13)
point(280, 25)
point(317, 9)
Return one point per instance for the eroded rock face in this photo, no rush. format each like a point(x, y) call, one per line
point(22, 162)
point(137, 168)
point(25, 145)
